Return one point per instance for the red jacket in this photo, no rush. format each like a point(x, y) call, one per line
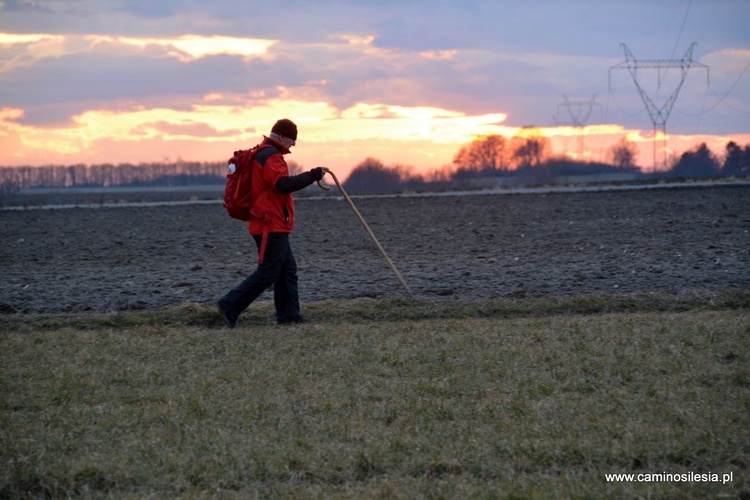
point(272, 212)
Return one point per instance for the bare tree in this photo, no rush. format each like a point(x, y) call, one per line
point(623, 154)
point(9, 185)
point(531, 148)
point(486, 156)
point(442, 174)
point(371, 175)
point(736, 159)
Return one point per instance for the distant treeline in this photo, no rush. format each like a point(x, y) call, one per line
point(372, 176)
point(486, 162)
point(493, 161)
point(180, 173)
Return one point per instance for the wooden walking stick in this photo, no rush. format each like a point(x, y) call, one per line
point(367, 228)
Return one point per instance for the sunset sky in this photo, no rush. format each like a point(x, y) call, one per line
point(407, 82)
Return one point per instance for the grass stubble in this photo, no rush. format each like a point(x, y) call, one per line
point(380, 398)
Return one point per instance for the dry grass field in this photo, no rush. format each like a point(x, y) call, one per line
point(381, 399)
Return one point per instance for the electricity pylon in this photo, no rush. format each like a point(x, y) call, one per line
point(579, 117)
point(659, 113)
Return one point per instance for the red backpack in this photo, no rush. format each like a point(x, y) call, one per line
point(238, 190)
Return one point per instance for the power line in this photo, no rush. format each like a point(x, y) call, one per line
point(721, 100)
point(684, 20)
point(663, 34)
point(622, 110)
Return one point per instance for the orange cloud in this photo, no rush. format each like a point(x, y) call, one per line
point(185, 48)
point(209, 122)
point(425, 137)
point(13, 38)
point(194, 47)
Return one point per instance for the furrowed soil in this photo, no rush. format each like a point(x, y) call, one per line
point(465, 247)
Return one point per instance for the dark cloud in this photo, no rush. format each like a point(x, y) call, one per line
point(73, 82)
point(23, 6)
point(514, 57)
point(139, 8)
point(160, 9)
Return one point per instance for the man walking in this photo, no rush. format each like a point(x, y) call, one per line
point(271, 222)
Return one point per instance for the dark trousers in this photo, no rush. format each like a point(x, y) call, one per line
point(278, 269)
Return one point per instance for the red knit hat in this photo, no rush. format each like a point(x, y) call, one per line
point(286, 128)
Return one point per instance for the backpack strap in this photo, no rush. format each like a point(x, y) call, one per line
point(263, 241)
point(264, 153)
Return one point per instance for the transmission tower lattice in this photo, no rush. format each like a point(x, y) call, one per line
point(579, 112)
point(659, 114)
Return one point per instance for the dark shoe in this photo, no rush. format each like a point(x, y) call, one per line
point(231, 323)
point(295, 321)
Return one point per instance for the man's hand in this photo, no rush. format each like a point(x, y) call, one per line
point(318, 173)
